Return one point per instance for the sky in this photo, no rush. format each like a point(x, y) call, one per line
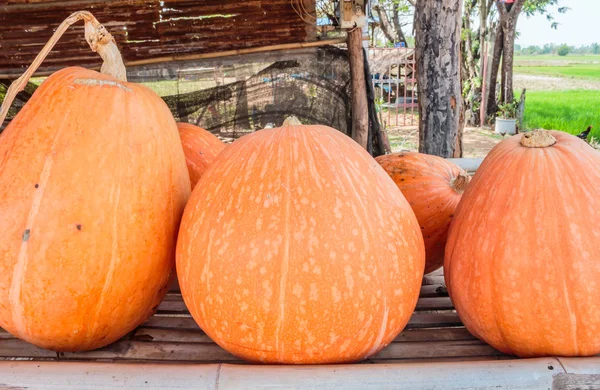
point(580, 25)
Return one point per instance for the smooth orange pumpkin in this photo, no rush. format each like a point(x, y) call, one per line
point(200, 147)
point(93, 184)
point(297, 247)
point(523, 255)
point(433, 187)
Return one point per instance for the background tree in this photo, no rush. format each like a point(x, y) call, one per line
point(437, 27)
point(472, 46)
point(563, 50)
point(393, 15)
point(508, 13)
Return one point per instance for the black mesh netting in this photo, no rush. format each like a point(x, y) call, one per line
point(315, 88)
point(233, 98)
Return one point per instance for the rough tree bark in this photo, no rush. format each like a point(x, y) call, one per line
point(508, 21)
point(504, 50)
point(484, 12)
point(398, 25)
point(496, 57)
point(472, 49)
point(386, 26)
point(438, 72)
point(360, 110)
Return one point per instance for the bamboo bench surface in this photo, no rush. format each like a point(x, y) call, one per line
point(434, 333)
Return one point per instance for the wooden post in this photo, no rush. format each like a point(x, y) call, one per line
point(521, 111)
point(360, 112)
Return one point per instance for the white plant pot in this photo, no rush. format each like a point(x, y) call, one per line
point(506, 126)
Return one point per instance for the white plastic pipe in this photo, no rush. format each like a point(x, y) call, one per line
point(468, 164)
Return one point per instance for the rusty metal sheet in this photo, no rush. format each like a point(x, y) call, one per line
point(147, 29)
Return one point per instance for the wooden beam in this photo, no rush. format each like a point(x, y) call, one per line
point(227, 53)
point(360, 108)
point(190, 57)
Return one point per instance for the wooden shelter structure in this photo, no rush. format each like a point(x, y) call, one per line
point(173, 32)
point(153, 31)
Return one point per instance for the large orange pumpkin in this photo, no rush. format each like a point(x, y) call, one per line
point(200, 147)
point(297, 247)
point(433, 187)
point(523, 255)
point(93, 183)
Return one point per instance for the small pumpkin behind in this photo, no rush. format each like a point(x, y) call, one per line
point(433, 187)
point(201, 148)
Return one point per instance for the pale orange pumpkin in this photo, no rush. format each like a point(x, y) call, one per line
point(433, 187)
point(297, 247)
point(523, 255)
point(93, 184)
point(200, 147)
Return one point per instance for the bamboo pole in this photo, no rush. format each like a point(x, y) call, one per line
point(360, 111)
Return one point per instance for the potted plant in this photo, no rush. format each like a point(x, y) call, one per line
point(506, 118)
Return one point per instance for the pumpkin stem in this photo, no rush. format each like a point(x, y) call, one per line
point(100, 41)
point(291, 121)
point(538, 139)
point(460, 182)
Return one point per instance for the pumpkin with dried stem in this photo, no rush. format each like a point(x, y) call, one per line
point(522, 259)
point(93, 183)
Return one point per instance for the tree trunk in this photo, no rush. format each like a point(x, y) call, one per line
point(509, 28)
point(378, 143)
point(438, 73)
point(509, 15)
point(384, 23)
point(458, 147)
point(484, 12)
point(470, 60)
point(468, 72)
point(397, 25)
point(360, 111)
point(498, 43)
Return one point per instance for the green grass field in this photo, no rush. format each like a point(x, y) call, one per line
point(519, 59)
point(564, 107)
point(584, 71)
point(584, 67)
point(570, 111)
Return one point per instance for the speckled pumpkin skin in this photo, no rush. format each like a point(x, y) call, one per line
point(201, 148)
point(522, 262)
point(427, 183)
point(93, 184)
point(297, 247)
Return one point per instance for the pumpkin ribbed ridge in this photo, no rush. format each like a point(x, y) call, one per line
point(92, 187)
point(296, 247)
point(522, 252)
point(433, 187)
